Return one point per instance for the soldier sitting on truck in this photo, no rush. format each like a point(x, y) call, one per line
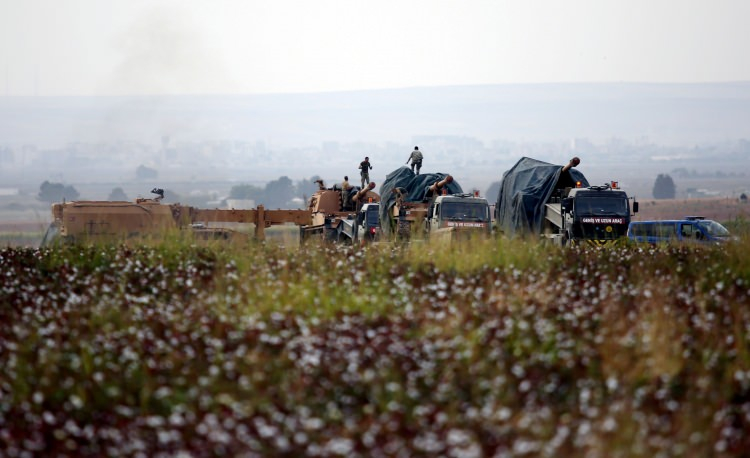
point(416, 159)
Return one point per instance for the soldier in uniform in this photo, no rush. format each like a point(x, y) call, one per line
point(364, 173)
point(345, 187)
point(416, 159)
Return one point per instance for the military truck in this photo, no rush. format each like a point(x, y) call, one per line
point(368, 223)
point(459, 213)
point(362, 229)
point(432, 205)
point(558, 203)
point(333, 213)
point(597, 215)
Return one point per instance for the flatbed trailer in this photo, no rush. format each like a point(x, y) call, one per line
point(103, 221)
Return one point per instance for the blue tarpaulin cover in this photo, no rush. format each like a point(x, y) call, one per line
point(525, 188)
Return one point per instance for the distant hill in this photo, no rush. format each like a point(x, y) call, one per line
point(665, 113)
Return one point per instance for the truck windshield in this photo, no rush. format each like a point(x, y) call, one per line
point(372, 217)
point(713, 229)
point(600, 205)
point(464, 211)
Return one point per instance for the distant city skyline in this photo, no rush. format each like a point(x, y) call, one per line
point(678, 114)
point(195, 169)
point(132, 47)
point(632, 131)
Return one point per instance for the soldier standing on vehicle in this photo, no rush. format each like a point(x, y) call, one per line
point(416, 159)
point(345, 187)
point(364, 173)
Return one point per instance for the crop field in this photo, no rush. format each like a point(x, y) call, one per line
point(488, 348)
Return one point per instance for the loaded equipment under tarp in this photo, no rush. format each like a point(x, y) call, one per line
point(414, 188)
point(526, 188)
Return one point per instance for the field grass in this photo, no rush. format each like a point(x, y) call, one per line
point(484, 348)
point(21, 238)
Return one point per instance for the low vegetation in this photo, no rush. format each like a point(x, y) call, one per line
point(490, 348)
point(21, 238)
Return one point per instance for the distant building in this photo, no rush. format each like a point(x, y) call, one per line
point(697, 193)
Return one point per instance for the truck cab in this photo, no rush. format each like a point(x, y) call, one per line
point(599, 214)
point(459, 213)
point(368, 220)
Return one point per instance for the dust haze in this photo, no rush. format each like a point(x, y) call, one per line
point(203, 145)
point(164, 52)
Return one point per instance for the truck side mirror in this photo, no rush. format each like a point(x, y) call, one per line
point(635, 207)
point(566, 204)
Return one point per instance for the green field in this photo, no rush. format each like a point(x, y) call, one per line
point(488, 348)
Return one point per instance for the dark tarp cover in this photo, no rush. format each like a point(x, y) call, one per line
point(525, 188)
point(415, 187)
point(353, 190)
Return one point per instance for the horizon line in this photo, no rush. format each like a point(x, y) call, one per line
point(385, 89)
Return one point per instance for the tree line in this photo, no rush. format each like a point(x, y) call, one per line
point(279, 193)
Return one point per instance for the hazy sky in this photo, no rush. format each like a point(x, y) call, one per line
point(118, 47)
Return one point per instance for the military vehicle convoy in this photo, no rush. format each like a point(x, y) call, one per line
point(535, 197)
point(558, 203)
